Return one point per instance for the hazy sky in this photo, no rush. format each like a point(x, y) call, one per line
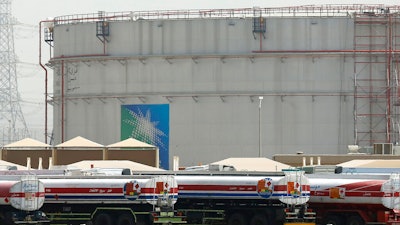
point(29, 13)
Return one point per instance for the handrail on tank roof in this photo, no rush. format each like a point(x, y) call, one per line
point(292, 11)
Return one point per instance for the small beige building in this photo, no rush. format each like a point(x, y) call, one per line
point(105, 164)
point(134, 150)
point(78, 149)
point(19, 152)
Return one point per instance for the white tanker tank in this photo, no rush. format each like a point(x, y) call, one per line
point(96, 196)
point(391, 192)
point(351, 189)
point(130, 198)
point(26, 196)
point(292, 189)
point(355, 199)
point(157, 190)
point(261, 198)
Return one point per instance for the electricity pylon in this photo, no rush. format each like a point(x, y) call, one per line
point(12, 122)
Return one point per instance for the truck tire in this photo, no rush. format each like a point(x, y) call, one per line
point(236, 219)
point(333, 220)
point(102, 219)
point(259, 219)
point(7, 220)
point(355, 220)
point(126, 219)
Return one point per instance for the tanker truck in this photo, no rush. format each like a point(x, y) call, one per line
point(232, 198)
point(355, 199)
point(94, 200)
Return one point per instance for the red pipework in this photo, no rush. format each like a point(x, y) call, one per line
point(45, 80)
point(62, 82)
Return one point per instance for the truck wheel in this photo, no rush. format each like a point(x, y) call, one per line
point(259, 219)
point(355, 220)
point(102, 219)
point(333, 220)
point(126, 219)
point(7, 220)
point(236, 219)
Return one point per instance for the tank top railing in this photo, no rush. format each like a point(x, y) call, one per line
point(292, 11)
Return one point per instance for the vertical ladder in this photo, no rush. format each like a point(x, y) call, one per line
point(375, 85)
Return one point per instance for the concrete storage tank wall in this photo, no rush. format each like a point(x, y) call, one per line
point(210, 75)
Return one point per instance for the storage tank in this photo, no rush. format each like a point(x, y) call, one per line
point(206, 85)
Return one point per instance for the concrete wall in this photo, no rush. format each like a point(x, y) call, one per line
point(208, 72)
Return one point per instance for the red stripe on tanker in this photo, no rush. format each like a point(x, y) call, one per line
point(27, 195)
point(293, 188)
point(355, 189)
point(94, 190)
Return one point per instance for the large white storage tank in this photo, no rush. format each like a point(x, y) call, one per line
point(190, 81)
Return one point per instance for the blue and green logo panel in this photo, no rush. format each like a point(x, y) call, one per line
point(149, 124)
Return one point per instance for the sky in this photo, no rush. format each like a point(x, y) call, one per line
point(29, 13)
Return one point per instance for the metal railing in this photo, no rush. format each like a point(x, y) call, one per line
point(292, 11)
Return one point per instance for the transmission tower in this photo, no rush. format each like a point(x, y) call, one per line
point(12, 122)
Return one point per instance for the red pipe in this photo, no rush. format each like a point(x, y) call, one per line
point(45, 80)
point(62, 84)
point(46, 84)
